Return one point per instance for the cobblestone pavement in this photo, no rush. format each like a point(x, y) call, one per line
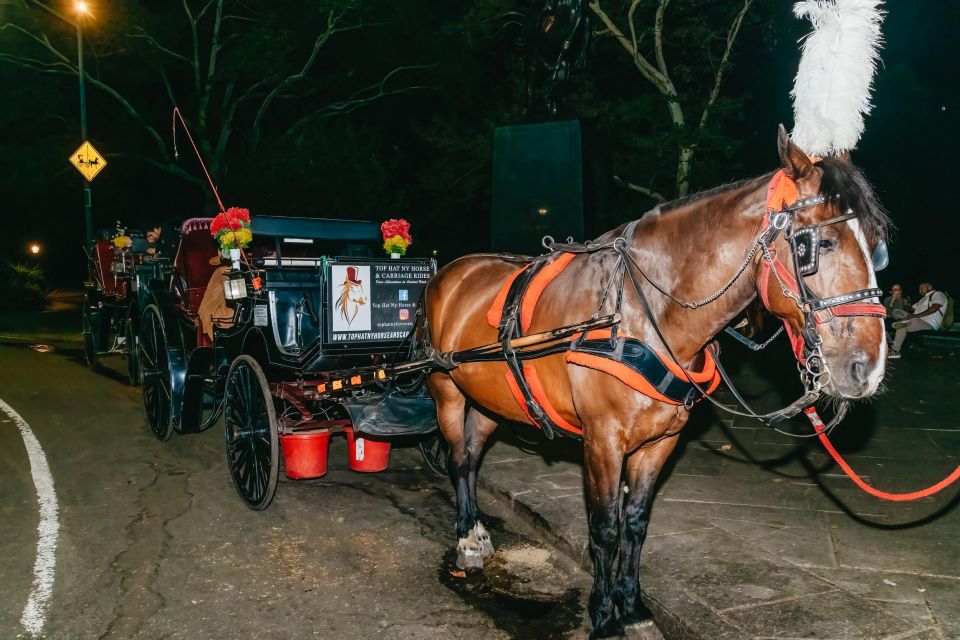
point(758, 535)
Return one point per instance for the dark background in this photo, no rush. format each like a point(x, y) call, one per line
point(424, 153)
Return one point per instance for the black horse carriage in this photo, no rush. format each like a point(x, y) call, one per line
point(113, 300)
point(314, 319)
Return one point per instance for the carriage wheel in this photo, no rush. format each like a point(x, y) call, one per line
point(155, 373)
point(436, 454)
point(252, 441)
point(134, 375)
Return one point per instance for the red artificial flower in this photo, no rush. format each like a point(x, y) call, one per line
point(238, 212)
point(394, 227)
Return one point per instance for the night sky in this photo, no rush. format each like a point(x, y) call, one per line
point(398, 143)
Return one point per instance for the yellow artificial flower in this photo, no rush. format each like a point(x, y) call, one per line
point(122, 242)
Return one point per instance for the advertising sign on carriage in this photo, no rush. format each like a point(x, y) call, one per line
point(374, 301)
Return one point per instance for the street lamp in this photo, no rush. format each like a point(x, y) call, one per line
point(83, 10)
point(34, 249)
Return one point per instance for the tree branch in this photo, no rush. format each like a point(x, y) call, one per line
point(724, 61)
point(167, 167)
point(143, 35)
point(646, 69)
point(640, 189)
point(332, 19)
point(363, 97)
point(658, 37)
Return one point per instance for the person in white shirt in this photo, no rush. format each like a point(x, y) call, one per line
point(927, 314)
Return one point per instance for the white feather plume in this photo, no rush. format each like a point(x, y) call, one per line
point(831, 93)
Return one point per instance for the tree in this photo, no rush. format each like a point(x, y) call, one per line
point(231, 66)
point(688, 88)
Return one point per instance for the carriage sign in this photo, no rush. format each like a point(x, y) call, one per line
point(374, 301)
point(88, 161)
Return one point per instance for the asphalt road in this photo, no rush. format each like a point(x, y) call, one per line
point(153, 542)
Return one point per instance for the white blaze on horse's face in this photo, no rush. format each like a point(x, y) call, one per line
point(855, 348)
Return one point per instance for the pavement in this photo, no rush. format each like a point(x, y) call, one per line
point(759, 535)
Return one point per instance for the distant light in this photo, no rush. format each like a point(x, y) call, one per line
point(434, 252)
point(542, 211)
point(35, 249)
point(81, 7)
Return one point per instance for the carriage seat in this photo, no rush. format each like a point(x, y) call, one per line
point(103, 256)
point(298, 303)
point(191, 266)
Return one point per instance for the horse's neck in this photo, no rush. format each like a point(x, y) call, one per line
point(693, 251)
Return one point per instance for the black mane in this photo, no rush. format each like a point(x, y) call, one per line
point(679, 202)
point(851, 191)
point(841, 181)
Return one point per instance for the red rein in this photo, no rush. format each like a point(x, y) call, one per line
point(818, 426)
point(782, 193)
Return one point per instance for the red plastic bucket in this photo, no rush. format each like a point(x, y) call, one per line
point(305, 453)
point(365, 455)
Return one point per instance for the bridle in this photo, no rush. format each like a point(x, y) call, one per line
point(804, 244)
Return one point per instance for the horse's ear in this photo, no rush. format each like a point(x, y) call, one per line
point(844, 157)
point(794, 162)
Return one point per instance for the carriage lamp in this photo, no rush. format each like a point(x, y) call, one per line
point(234, 286)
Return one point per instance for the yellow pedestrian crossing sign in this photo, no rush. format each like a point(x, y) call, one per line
point(88, 161)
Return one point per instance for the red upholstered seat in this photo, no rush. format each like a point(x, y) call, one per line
point(192, 263)
point(103, 256)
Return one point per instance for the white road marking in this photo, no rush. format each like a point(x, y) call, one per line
point(35, 613)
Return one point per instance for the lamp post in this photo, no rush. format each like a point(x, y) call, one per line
point(82, 10)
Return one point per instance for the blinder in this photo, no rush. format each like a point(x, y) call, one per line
point(880, 256)
point(806, 248)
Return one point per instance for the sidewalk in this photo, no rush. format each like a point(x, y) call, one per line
point(758, 535)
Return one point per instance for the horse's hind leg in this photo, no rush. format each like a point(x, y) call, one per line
point(466, 438)
point(643, 467)
point(603, 462)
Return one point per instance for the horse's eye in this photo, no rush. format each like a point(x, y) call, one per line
point(826, 245)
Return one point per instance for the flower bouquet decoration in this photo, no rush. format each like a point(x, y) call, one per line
point(231, 228)
point(396, 237)
point(120, 239)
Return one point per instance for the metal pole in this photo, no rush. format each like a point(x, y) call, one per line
point(87, 196)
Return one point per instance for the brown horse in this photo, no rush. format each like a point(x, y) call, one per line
point(690, 248)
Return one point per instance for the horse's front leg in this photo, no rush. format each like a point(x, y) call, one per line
point(643, 467)
point(477, 431)
point(603, 462)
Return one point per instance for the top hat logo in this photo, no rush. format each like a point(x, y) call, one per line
point(352, 276)
point(351, 296)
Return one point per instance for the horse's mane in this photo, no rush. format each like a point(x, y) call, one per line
point(841, 180)
point(693, 197)
point(846, 183)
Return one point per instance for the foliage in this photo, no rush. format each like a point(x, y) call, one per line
point(22, 287)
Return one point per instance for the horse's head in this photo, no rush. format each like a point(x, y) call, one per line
point(824, 285)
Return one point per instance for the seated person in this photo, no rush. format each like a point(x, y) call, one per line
point(897, 305)
point(161, 241)
point(213, 309)
point(927, 314)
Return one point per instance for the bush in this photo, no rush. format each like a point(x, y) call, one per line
point(22, 287)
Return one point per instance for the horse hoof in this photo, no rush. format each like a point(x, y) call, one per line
point(470, 553)
point(611, 629)
point(469, 560)
point(483, 539)
point(639, 616)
